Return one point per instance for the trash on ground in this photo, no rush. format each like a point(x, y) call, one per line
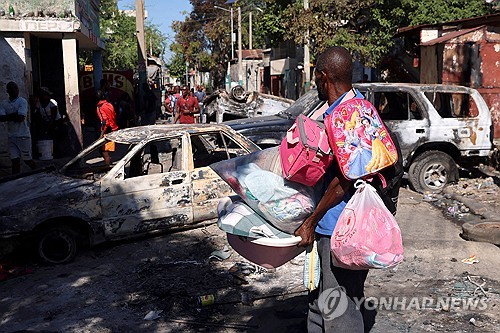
point(246, 298)
point(206, 300)
point(471, 260)
point(221, 254)
point(8, 272)
point(152, 315)
point(429, 197)
point(479, 286)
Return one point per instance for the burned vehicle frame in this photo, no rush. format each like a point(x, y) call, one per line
point(159, 180)
point(238, 103)
point(437, 127)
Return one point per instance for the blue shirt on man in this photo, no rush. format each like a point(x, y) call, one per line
point(328, 222)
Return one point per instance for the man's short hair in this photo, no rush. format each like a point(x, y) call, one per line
point(336, 63)
point(100, 95)
point(103, 82)
point(11, 85)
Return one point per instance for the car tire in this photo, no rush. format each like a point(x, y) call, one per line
point(483, 231)
point(431, 171)
point(57, 245)
point(238, 94)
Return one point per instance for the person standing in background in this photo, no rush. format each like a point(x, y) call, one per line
point(170, 103)
point(149, 105)
point(200, 95)
point(126, 114)
point(16, 115)
point(46, 115)
point(187, 107)
point(107, 116)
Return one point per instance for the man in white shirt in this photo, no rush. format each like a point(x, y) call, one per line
point(46, 114)
point(16, 113)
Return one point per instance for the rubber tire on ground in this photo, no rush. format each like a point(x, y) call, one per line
point(483, 231)
point(438, 163)
point(57, 245)
point(238, 93)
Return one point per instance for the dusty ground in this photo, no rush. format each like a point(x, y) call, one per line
point(112, 288)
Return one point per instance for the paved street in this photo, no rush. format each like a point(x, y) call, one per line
point(112, 288)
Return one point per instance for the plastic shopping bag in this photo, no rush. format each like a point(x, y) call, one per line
point(367, 234)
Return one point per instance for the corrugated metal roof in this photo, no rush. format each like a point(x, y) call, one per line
point(252, 54)
point(491, 19)
point(450, 36)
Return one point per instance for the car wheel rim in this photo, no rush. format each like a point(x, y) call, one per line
point(56, 248)
point(435, 176)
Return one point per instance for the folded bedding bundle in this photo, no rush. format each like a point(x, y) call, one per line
point(257, 179)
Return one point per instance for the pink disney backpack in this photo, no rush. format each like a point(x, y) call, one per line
point(359, 139)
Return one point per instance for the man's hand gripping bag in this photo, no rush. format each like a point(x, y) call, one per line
point(305, 152)
point(367, 234)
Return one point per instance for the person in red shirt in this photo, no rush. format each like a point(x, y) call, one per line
point(107, 116)
point(187, 106)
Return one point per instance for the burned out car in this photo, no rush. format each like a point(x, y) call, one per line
point(158, 180)
point(238, 103)
point(437, 126)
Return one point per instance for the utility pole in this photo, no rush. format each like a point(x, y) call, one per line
point(141, 50)
point(240, 57)
point(250, 30)
point(232, 34)
point(307, 60)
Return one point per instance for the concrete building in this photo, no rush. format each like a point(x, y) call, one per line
point(39, 45)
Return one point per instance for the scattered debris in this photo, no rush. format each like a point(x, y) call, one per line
point(227, 325)
point(8, 271)
point(429, 197)
point(221, 254)
point(246, 298)
point(471, 260)
point(479, 286)
point(206, 300)
point(152, 315)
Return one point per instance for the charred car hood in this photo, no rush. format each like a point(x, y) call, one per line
point(33, 188)
point(258, 122)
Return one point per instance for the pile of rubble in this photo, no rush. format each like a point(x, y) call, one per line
point(468, 199)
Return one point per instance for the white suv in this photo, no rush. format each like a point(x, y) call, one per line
point(436, 125)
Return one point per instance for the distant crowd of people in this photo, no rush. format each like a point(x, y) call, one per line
point(185, 106)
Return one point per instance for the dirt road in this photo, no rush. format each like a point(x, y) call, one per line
point(113, 288)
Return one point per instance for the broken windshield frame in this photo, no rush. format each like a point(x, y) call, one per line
point(305, 104)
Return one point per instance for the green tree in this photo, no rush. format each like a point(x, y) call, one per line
point(435, 11)
point(204, 37)
point(367, 27)
point(118, 33)
point(177, 65)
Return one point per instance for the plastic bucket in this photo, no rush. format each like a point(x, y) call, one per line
point(45, 149)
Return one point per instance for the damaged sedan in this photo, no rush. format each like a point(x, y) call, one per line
point(158, 180)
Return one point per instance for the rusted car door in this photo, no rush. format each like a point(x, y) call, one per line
point(208, 187)
point(149, 190)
